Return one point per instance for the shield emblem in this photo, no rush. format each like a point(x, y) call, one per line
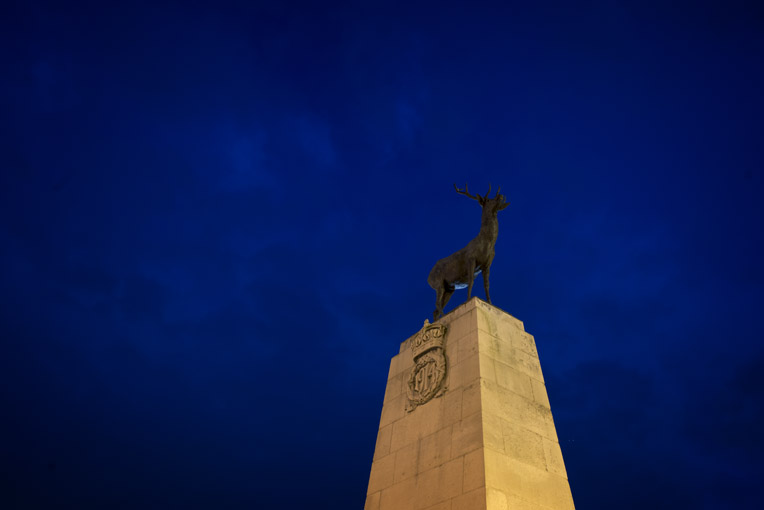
point(426, 378)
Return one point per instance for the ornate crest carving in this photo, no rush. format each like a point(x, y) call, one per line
point(429, 372)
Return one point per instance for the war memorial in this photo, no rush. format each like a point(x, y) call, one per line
point(466, 423)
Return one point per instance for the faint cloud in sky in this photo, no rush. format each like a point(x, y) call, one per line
point(409, 120)
point(245, 162)
point(314, 137)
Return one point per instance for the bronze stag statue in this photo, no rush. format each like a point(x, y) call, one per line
point(459, 270)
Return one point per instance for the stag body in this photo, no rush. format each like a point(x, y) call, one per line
point(459, 270)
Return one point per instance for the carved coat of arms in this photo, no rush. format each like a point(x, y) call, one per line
point(429, 372)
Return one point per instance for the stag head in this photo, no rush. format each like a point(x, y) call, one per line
point(494, 204)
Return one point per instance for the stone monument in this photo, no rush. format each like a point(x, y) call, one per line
point(466, 422)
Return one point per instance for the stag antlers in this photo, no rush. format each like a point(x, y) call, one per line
point(466, 193)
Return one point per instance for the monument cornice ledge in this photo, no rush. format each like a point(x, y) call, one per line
point(476, 302)
point(471, 304)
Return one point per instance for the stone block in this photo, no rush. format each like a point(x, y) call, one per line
point(440, 484)
point(551, 432)
point(494, 348)
point(382, 471)
point(394, 368)
point(474, 471)
point(399, 496)
point(406, 460)
point(496, 499)
point(402, 435)
point(422, 421)
point(426, 419)
point(473, 500)
point(452, 406)
point(393, 410)
point(467, 435)
point(384, 436)
point(516, 503)
point(464, 373)
point(493, 436)
point(527, 363)
point(553, 456)
point(539, 393)
point(372, 501)
point(435, 449)
point(444, 505)
point(511, 407)
point(513, 380)
point(487, 368)
point(517, 359)
point(468, 346)
point(525, 342)
point(394, 387)
point(452, 351)
point(527, 482)
point(462, 324)
point(523, 445)
point(471, 399)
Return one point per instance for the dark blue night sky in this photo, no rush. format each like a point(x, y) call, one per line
point(217, 220)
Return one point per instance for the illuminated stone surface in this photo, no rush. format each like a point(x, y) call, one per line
point(487, 442)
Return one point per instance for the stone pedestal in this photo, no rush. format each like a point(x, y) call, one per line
point(474, 432)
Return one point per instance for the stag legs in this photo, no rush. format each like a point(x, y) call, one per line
point(444, 292)
point(471, 277)
point(446, 296)
point(485, 283)
point(438, 298)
